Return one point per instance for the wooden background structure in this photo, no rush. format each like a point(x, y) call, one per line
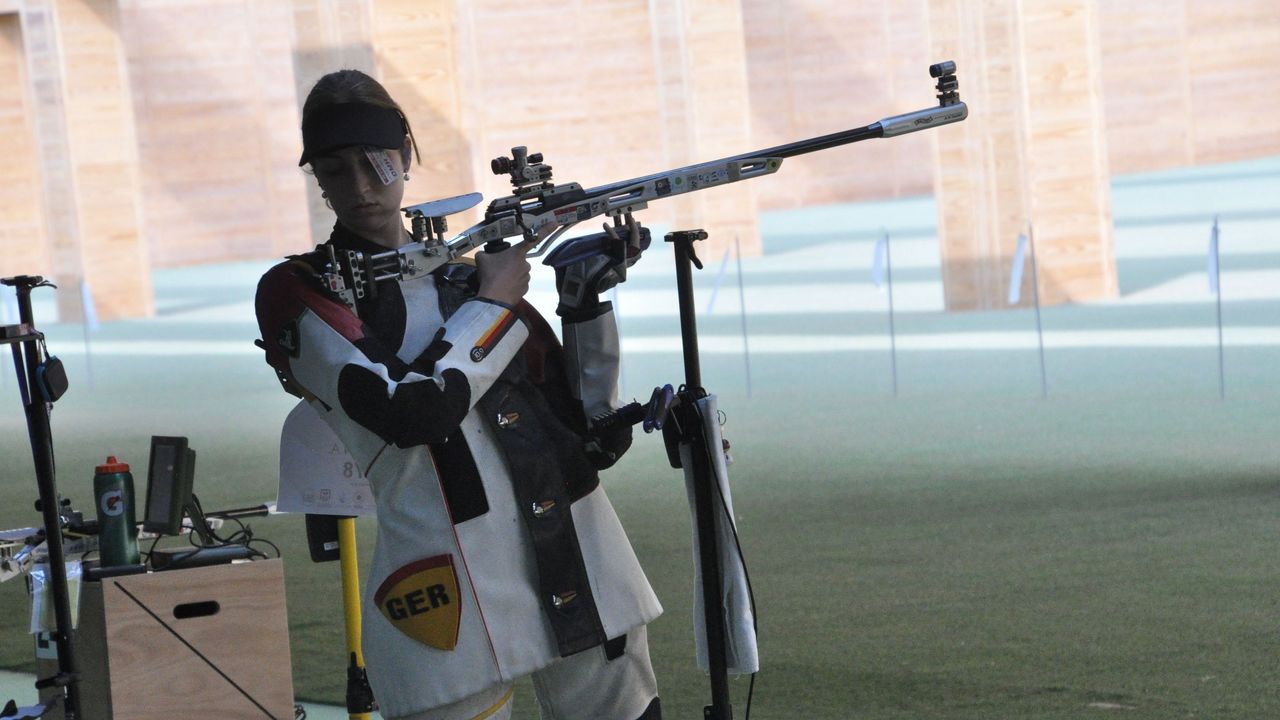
point(156, 133)
point(1033, 162)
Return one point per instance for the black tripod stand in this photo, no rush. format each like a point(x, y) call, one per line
point(41, 382)
point(686, 418)
point(689, 445)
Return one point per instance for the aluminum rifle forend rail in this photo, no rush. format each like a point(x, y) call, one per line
point(541, 211)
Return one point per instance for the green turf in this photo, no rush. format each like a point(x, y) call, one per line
point(962, 557)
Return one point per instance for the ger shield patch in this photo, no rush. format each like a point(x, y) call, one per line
point(493, 335)
point(421, 600)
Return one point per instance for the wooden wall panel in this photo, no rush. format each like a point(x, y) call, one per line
point(557, 102)
point(701, 59)
point(591, 105)
point(1146, 77)
point(1233, 50)
point(982, 205)
point(216, 85)
point(1184, 84)
point(1067, 171)
point(416, 49)
point(57, 179)
point(217, 126)
point(23, 244)
point(275, 95)
point(328, 35)
point(88, 154)
point(104, 153)
point(1185, 81)
point(810, 76)
point(1034, 150)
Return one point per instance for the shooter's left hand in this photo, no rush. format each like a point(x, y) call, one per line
point(580, 283)
point(627, 250)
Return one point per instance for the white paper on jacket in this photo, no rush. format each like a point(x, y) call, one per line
point(317, 474)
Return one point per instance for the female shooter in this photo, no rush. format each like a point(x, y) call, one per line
point(498, 554)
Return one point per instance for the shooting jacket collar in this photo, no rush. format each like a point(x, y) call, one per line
point(342, 238)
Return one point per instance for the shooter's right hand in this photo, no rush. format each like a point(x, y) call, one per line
point(504, 275)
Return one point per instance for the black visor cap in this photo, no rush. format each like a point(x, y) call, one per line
point(347, 124)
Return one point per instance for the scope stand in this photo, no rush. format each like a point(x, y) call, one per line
point(29, 361)
point(688, 431)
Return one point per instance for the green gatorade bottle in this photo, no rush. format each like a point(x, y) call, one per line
point(117, 526)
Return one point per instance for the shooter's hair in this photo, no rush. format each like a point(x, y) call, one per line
point(353, 86)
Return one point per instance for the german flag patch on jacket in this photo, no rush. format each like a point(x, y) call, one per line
point(493, 335)
point(421, 600)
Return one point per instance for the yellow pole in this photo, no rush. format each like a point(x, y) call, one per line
point(359, 697)
point(350, 585)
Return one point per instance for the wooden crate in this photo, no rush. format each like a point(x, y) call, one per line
point(207, 642)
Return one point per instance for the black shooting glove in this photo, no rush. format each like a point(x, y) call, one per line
point(581, 282)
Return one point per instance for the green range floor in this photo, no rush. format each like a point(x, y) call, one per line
point(963, 549)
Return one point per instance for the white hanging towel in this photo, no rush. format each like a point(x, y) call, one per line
point(741, 653)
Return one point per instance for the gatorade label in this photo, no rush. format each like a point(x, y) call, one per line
point(112, 503)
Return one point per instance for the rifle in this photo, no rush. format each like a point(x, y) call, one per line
point(541, 211)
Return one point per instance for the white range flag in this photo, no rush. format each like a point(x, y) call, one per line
point(86, 304)
point(9, 306)
point(1015, 271)
point(1213, 258)
point(878, 260)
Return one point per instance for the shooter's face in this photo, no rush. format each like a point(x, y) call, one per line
point(359, 193)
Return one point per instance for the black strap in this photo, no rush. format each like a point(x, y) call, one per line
point(653, 712)
point(549, 471)
point(613, 649)
point(542, 458)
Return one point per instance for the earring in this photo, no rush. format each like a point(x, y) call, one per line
point(324, 194)
point(406, 177)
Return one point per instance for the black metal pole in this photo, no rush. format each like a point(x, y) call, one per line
point(685, 258)
point(694, 435)
point(893, 330)
point(1035, 293)
point(1217, 295)
point(37, 412)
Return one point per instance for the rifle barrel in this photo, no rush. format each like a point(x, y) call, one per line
point(801, 147)
point(888, 127)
